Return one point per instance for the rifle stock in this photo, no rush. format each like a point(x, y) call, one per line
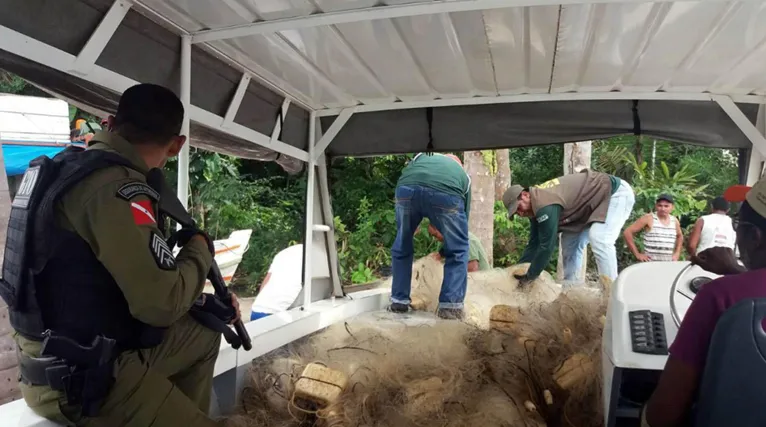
point(172, 207)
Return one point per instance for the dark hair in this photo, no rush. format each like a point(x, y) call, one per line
point(148, 113)
point(720, 204)
point(748, 214)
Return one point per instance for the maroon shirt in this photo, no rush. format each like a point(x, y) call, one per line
point(691, 343)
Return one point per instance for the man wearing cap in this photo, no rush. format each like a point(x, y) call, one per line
point(663, 238)
point(585, 207)
point(672, 400)
point(436, 187)
point(714, 229)
point(103, 273)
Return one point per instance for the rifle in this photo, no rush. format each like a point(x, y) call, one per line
point(170, 205)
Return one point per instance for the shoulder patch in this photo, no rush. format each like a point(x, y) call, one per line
point(133, 189)
point(542, 218)
point(163, 256)
point(27, 186)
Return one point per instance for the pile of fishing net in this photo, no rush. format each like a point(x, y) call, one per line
point(522, 358)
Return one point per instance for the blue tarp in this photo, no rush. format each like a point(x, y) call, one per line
point(17, 157)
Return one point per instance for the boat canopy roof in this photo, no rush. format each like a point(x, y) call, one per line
point(402, 76)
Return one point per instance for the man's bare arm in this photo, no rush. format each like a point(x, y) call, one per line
point(631, 230)
point(694, 237)
point(679, 242)
point(673, 397)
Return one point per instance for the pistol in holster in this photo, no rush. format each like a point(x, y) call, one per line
point(84, 374)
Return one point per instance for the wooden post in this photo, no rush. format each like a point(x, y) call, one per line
point(577, 156)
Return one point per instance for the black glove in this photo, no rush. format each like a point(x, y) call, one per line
point(210, 303)
point(185, 234)
point(215, 314)
point(523, 279)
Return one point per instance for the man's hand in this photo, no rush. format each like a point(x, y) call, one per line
point(235, 304)
point(719, 260)
point(211, 304)
point(643, 257)
point(676, 257)
point(185, 235)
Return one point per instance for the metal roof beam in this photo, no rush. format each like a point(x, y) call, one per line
point(541, 97)
point(384, 12)
point(101, 36)
point(743, 123)
point(37, 51)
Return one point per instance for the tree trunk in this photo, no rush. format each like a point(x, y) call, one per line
point(639, 149)
point(503, 175)
point(479, 166)
point(577, 156)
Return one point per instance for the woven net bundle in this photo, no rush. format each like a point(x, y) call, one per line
point(521, 358)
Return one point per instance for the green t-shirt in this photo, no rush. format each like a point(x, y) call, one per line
point(543, 233)
point(439, 172)
point(615, 183)
point(476, 252)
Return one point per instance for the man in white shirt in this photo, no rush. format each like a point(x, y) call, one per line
point(282, 284)
point(712, 230)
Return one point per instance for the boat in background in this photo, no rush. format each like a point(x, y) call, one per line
point(228, 254)
point(30, 127)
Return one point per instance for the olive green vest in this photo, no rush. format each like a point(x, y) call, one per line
point(583, 197)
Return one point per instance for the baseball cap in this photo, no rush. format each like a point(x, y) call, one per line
point(666, 197)
point(755, 196)
point(511, 198)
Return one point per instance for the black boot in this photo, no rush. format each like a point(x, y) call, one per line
point(398, 307)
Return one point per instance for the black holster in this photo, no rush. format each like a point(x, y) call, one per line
point(84, 374)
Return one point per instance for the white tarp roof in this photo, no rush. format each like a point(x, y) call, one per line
point(602, 46)
point(29, 119)
point(403, 76)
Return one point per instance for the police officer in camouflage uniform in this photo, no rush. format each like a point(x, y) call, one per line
point(86, 258)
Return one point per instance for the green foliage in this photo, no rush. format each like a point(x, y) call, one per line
point(690, 198)
point(11, 83)
point(223, 200)
point(535, 165)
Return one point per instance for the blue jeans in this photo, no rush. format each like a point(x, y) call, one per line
point(447, 213)
point(602, 237)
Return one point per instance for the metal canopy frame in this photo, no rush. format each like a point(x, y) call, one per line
point(315, 315)
point(84, 66)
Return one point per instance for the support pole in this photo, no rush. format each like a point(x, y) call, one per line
point(743, 122)
point(331, 133)
point(185, 90)
point(308, 243)
point(755, 165)
point(329, 229)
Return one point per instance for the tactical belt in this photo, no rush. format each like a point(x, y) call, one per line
point(84, 374)
point(32, 369)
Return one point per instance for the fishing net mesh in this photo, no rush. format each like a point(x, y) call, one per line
point(536, 364)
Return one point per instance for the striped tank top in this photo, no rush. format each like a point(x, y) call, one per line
point(660, 241)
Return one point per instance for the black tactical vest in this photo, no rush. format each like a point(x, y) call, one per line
point(52, 280)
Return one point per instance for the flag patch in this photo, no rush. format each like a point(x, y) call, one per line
point(142, 212)
point(161, 252)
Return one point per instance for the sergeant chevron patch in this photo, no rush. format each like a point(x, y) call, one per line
point(163, 256)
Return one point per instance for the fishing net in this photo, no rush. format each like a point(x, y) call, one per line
point(536, 362)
